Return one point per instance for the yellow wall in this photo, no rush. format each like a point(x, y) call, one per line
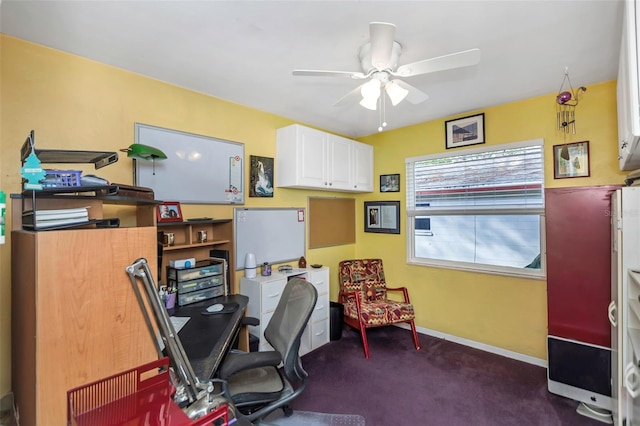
point(74, 103)
point(510, 313)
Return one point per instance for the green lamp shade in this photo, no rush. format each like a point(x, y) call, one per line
point(139, 151)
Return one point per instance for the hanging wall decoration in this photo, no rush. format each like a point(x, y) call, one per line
point(261, 183)
point(566, 102)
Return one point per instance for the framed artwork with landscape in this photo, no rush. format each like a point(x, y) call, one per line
point(390, 183)
point(464, 131)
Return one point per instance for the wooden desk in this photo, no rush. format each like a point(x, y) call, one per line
point(207, 338)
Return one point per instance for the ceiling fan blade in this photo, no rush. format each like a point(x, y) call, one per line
point(352, 96)
point(415, 95)
point(454, 60)
point(320, 73)
point(381, 38)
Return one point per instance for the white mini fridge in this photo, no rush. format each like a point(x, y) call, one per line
point(624, 310)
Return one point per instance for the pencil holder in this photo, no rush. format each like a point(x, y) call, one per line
point(170, 301)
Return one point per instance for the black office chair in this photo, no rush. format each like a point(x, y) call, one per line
point(259, 383)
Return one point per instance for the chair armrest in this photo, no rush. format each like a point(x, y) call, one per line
point(249, 321)
point(403, 290)
point(344, 296)
point(235, 362)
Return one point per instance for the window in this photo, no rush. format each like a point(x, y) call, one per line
point(480, 209)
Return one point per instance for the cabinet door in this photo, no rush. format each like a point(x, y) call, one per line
point(616, 310)
point(362, 167)
point(312, 161)
point(339, 155)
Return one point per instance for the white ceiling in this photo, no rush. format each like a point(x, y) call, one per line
point(244, 51)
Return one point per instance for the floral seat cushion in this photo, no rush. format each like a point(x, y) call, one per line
point(380, 312)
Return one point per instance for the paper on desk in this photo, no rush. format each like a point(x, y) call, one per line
point(178, 323)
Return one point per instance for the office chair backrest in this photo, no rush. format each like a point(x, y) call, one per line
point(288, 322)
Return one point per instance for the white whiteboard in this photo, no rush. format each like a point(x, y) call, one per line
point(198, 169)
point(273, 235)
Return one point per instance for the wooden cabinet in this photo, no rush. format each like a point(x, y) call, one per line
point(311, 159)
point(188, 244)
point(264, 294)
point(75, 317)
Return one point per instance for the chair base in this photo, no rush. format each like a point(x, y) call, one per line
point(362, 328)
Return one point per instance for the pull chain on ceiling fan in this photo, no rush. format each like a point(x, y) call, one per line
point(379, 62)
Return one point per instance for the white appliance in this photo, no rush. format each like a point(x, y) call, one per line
point(250, 265)
point(624, 310)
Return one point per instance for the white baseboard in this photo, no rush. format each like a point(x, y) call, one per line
point(482, 346)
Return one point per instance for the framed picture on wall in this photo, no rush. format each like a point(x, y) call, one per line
point(169, 211)
point(261, 182)
point(464, 131)
point(382, 217)
point(390, 183)
point(571, 160)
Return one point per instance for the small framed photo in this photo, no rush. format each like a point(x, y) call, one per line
point(390, 183)
point(465, 131)
point(571, 160)
point(382, 217)
point(169, 211)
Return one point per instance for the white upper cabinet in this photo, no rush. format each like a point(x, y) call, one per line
point(628, 91)
point(363, 167)
point(311, 159)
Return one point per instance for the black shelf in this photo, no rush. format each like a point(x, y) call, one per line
point(108, 194)
point(99, 159)
point(192, 222)
point(93, 223)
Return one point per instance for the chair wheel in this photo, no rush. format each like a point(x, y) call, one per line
point(288, 411)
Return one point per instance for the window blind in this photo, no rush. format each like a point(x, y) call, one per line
point(509, 176)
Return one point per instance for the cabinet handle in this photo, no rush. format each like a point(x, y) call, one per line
point(274, 295)
point(631, 380)
point(320, 333)
point(612, 312)
point(319, 308)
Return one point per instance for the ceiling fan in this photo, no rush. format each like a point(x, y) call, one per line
point(379, 62)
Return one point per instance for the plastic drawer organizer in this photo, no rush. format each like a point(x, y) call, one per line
point(140, 396)
point(204, 281)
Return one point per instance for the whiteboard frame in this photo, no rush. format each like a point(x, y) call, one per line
point(263, 236)
point(145, 173)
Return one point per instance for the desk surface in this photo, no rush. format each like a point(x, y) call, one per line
point(207, 338)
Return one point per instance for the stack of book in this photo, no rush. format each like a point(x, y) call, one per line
point(53, 218)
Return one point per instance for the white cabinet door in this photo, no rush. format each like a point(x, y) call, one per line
point(312, 159)
point(363, 167)
point(300, 157)
point(615, 312)
point(339, 157)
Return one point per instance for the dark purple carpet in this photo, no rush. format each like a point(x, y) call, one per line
point(442, 384)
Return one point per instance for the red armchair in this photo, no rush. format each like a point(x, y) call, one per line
point(363, 292)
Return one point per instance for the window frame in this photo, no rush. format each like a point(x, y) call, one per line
point(539, 274)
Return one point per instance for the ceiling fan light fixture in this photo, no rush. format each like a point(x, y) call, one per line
point(370, 103)
point(396, 93)
point(370, 93)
